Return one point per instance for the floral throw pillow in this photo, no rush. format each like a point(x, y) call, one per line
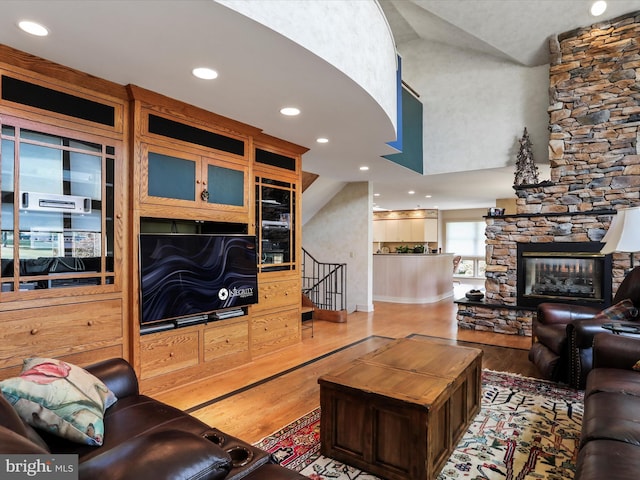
point(60, 398)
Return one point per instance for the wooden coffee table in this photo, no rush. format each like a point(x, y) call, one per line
point(400, 411)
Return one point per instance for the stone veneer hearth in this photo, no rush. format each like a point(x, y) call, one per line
point(594, 120)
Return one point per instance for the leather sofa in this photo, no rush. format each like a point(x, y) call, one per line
point(563, 334)
point(145, 438)
point(610, 436)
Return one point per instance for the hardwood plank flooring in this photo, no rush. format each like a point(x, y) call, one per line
point(255, 400)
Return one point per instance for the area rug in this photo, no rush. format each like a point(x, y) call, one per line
point(527, 429)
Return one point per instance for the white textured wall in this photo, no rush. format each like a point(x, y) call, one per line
point(353, 36)
point(340, 233)
point(475, 106)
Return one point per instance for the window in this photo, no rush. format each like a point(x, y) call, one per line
point(468, 240)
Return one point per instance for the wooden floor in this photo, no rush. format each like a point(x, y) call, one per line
point(257, 399)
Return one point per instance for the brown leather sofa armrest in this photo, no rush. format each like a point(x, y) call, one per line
point(583, 331)
point(13, 442)
point(615, 351)
point(167, 454)
point(118, 375)
point(550, 313)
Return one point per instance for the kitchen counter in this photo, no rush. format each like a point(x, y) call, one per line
point(412, 277)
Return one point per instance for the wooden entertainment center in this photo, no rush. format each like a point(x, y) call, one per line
point(158, 166)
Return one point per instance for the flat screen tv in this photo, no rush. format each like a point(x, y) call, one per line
point(183, 275)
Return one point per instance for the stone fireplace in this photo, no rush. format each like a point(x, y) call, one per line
point(594, 120)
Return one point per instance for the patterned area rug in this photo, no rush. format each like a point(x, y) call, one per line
point(527, 429)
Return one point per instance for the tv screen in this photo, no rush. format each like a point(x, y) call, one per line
point(188, 275)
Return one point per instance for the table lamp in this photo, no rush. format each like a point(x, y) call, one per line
point(624, 233)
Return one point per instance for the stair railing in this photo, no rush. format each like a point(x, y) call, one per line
point(325, 284)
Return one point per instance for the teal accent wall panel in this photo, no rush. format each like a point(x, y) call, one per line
point(171, 177)
point(226, 186)
point(412, 152)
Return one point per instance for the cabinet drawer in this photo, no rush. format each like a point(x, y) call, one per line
point(168, 352)
point(59, 330)
point(274, 331)
point(285, 293)
point(223, 339)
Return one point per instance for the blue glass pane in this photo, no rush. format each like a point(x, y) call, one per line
point(171, 177)
point(226, 186)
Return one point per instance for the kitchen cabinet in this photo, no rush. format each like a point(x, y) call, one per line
point(409, 230)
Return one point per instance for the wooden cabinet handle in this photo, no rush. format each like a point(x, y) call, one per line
point(227, 340)
point(171, 354)
point(90, 323)
point(118, 216)
point(197, 182)
point(265, 329)
point(34, 331)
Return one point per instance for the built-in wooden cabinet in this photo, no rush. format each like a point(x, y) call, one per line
point(63, 217)
point(87, 165)
point(195, 166)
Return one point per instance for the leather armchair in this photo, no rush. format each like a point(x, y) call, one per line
point(550, 346)
point(563, 334)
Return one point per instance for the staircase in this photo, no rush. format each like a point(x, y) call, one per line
point(324, 290)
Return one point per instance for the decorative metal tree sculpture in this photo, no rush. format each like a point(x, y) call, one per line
point(526, 169)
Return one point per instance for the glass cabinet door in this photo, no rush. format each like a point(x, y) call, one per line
point(57, 215)
point(191, 180)
point(275, 207)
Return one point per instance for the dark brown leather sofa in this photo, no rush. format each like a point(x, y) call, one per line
point(563, 334)
point(610, 437)
point(145, 438)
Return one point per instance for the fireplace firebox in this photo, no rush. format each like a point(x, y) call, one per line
point(572, 272)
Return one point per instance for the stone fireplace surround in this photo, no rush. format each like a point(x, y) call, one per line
point(594, 120)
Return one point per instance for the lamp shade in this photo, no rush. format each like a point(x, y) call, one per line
point(624, 232)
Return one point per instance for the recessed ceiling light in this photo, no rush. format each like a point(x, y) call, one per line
point(411, 192)
point(427, 196)
point(376, 194)
point(33, 28)
point(204, 73)
point(322, 140)
point(598, 8)
point(364, 168)
point(290, 111)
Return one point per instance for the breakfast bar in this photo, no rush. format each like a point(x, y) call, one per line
point(412, 278)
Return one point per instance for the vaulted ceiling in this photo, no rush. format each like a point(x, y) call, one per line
point(155, 43)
